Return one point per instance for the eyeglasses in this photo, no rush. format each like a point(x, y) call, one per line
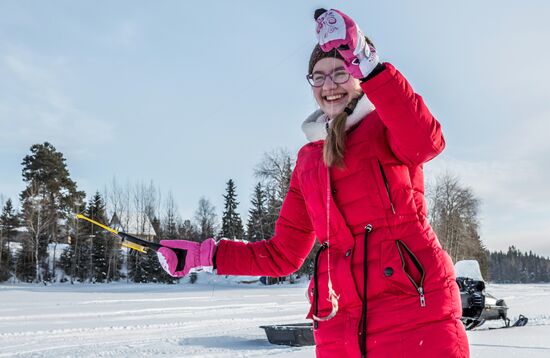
point(318, 79)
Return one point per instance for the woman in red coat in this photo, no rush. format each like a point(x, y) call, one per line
point(383, 286)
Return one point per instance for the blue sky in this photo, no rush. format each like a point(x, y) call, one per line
point(190, 94)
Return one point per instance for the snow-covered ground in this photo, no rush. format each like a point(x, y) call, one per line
point(531, 341)
point(213, 318)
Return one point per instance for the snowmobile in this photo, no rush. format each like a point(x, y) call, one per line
point(479, 306)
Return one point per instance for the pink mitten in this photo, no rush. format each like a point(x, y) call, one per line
point(177, 257)
point(337, 30)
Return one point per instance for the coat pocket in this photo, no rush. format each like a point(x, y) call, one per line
point(413, 269)
point(403, 269)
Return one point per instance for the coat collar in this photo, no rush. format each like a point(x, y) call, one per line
point(315, 126)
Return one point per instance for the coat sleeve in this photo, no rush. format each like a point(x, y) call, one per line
point(283, 254)
point(413, 133)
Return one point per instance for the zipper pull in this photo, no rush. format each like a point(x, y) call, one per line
point(392, 208)
point(422, 297)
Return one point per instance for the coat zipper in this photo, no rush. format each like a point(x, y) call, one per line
point(363, 330)
point(419, 287)
point(387, 185)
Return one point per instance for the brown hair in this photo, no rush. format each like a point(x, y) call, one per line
point(334, 148)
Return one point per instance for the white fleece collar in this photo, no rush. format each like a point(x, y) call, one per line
point(315, 126)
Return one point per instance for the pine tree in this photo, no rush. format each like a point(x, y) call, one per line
point(257, 216)
point(65, 262)
point(9, 220)
point(46, 202)
point(99, 244)
point(5, 260)
point(8, 223)
point(232, 226)
point(144, 267)
point(137, 266)
point(155, 272)
point(82, 269)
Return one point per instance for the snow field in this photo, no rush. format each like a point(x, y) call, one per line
point(533, 340)
point(213, 318)
point(121, 320)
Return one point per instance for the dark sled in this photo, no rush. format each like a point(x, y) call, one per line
point(295, 334)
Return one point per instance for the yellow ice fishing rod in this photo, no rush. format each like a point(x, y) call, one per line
point(128, 240)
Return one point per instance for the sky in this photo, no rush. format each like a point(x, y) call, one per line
point(190, 94)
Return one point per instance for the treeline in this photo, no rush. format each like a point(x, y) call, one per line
point(515, 266)
point(43, 241)
point(30, 238)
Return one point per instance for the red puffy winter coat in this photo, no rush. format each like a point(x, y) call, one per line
point(412, 300)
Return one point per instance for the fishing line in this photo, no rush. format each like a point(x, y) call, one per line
point(332, 296)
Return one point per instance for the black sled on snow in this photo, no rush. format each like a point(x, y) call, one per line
point(478, 306)
point(295, 334)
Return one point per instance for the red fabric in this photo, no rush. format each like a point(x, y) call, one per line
point(388, 145)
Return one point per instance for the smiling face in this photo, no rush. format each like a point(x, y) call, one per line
point(332, 97)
